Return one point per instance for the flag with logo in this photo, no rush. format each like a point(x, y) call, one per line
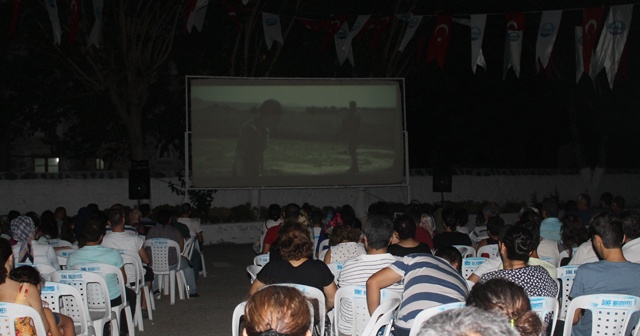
point(612, 41)
point(272, 29)
point(52, 9)
point(95, 37)
point(513, 43)
point(196, 13)
point(579, 60)
point(591, 26)
point(477, 23)
point(439, 41)
point(549, 24)
point(413, 21)
point(344, 36)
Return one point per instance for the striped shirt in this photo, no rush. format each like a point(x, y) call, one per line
point(356, 272)
point(428, 282)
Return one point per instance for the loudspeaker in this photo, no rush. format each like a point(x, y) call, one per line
point(442, 180)
point(139, 180)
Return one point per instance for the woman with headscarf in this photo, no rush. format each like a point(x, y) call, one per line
point(28, 250)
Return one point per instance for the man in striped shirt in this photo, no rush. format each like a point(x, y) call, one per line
point(355, 272)
point(429, 281)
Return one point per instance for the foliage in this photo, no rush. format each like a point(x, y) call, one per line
point(201, 200)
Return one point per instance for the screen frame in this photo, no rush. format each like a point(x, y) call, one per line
point(187, 140)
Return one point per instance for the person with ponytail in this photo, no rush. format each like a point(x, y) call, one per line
point(506, 297)
point(16, 292)
point(27, 249)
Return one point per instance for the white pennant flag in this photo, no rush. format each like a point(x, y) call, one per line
point(612, 40)
point(413, 23)
point(344, 36)
point(512, 48)
point(477, 24)
point(95, 38)
point(272, 29)
point(579, 60)
point(52, 8)
point(549, 24)
point(196, 17)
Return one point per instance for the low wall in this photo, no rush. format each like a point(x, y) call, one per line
point(232, 233)
point(39, 194)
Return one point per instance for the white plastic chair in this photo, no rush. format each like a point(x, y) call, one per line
point(322, 254)
point(139, 286)
point(382, 317)
point(10, 311)
point(253, 271)
point(610, 313)
point(546, 306)
point(552, 261)
point(95, 295)
point(466, 251)
point(192, 246)
point(104, 270)
point(428, 313)
point(44, 269)
point(488, 251)
point(312, 293)
point(238, 312)
point(356, 296)
point(469, 265)
point(160, 249)
point(566, 274)
point(62, 257)
point(65, 299)
point(335, 268)
point(261, 259)
point(323, 247)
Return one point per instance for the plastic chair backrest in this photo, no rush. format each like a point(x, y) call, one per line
point(488, 251)
point(382, 317)
point(547, 309)
point(10, 311)
point(238, 312)
point(357, 298)
point(335, 268)
point(610, 313)
point(189, 247)
point(133, 269)
point(311, 293)
point(429, 312)
point(323, 246)
point(44, 269)
point(253, 271)
point(566, 274)
point(469, 265)
point(66, 299)
point(261, 259)
point(92, 288)
point(160, 249)
point(466, 251)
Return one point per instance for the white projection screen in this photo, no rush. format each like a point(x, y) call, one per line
point(283, 133)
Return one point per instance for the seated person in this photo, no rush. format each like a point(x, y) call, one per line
point(404, 238)
point(16, 292)
point(452, 255)
point(277, 310)
point(494, 224)
point(505, 297)
point(344, 244)
point(297, 265)
point(58, 324)
point(27, 249)
point(450, 236)
point(516, 245)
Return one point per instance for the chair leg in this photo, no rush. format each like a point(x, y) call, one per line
point(182, 285)
point(131, 328)
point(150, 304)
point(172, 287)
point(167, 289)
point(204, 268)
point(139, 319)
point(115, 327)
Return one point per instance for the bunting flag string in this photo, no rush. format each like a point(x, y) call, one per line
point(272, 29)
point(439, 42)
point(15, 17)
point(513, 43)
point(579, 58)
point(413, 21)
point(549, 23)
point(196, 13)
point(477, 24)
point(95, 38)
point(75, 20)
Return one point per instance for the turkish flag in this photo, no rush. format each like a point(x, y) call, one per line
point(75, 20)
point(17, 10)
point(591, 26)
point(439, 41)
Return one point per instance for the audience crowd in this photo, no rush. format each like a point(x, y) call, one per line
point(415, 254)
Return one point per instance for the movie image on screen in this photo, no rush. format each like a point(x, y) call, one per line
point(253, 133)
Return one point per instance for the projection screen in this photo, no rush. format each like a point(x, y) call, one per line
point(274, 132)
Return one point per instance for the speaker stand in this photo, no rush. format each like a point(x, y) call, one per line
point(442, 198)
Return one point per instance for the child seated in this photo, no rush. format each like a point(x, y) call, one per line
point(59, 325)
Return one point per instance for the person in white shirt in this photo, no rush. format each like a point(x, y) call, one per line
point(378, 230)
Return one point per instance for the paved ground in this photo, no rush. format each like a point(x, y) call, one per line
point(226, 285)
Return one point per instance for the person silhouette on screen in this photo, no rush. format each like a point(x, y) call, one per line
point(351, 128)
point(252, 140)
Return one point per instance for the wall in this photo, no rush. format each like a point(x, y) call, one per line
point(39, 194)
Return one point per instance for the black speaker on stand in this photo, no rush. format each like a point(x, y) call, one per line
point(139, 180)
point(442, 180)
